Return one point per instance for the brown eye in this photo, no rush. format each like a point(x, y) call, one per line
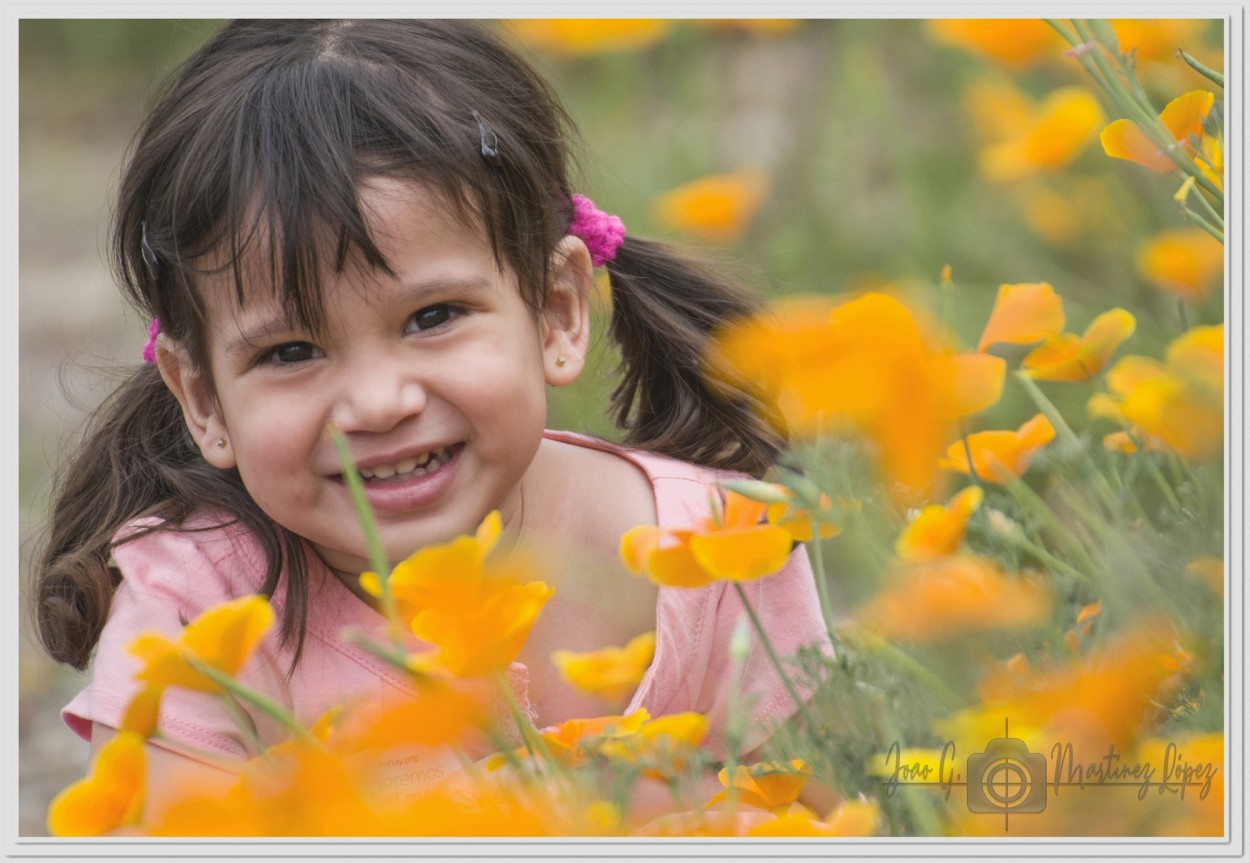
point(432, 317)
point(291, 353)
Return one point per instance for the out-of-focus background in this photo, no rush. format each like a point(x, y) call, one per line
point(817, 156)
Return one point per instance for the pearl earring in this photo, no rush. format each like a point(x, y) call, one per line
point(221, 442)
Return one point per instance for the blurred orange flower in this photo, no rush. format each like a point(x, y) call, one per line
point(1177, 405)
point(732, 545)
point(999, 456)
point(664, 740)
point(1210, 571)
point(716, 208)
point(476, 612)
point(939, 530)
point(1182, 117)
point(580, 37)
point(797, 521)
point(850, 818)
point(1186, 262)
point(1053, 135)
point(771, 785)
point(1099, 698)
point(110, 797)
point(1069, 357)
point(1023, 314)
point(610, 672)
point(1017, 43)
point(222, 637)
point(948, 596)
point(866, 366)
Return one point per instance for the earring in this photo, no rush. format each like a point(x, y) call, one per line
point(560, 361)
point(221, 442)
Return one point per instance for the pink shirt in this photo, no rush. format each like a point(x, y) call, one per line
point(170, 576)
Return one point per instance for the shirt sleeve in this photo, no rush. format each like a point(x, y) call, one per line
point(789, 612)
point(168, 578)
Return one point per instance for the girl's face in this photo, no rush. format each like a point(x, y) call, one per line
point(437, 377)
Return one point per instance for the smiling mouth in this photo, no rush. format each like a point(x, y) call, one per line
point(426, 462)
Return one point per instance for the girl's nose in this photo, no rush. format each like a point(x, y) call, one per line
point(377, 400)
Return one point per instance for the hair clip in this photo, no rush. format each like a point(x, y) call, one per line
point(490, 151)
point(145, 249)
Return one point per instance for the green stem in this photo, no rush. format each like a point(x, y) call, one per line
point(386, 651)
point(1145, 116)
point(1023, 494)
point(1203, 223)
point(263, 703)
point(772, 655)
point(243, 721)
point(1216, 218)
point(1059, 28)
point(534, 744)
point(822, 585)
point(873, 643)
point(1202, 69)
point(1050, 560)
point(1068, 436)
point(373, 544)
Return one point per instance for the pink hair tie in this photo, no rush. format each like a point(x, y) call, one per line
point(602, 232)
point(149, 349)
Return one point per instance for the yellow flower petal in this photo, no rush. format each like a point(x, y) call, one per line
point(581, 37)
point(110, 797)
point(1023, 314)
point(1183, 117)
point(741, 554)
point(610, 672)
point(1062, 126)
point(1186, 262)
point(939, 530)
point(1017, 43)
point(716, 208)
point(998, 456)
point(1069, 358)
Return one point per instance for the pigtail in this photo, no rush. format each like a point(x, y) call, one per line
point(136, 459)
point(664, 310)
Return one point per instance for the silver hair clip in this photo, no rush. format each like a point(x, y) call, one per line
point(145, 249)
point(490, 150)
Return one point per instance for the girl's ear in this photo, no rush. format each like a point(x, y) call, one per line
point(199, 409)
point(565, 319)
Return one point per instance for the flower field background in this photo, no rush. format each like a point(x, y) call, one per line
point(997, 339)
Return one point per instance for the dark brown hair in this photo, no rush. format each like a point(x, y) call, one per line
point(257, 147)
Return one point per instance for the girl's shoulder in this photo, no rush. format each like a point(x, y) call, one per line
point(208, 558)
point(680, 489)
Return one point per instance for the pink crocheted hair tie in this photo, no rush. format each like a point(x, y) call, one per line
point(602, 232)
point(149, 349)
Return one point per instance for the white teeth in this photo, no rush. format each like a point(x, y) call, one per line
point(427, 462)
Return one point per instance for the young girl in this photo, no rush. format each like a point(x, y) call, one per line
point(367, 224)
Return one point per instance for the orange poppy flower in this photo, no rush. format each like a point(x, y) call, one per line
point(1023, 314)
point(1183, 119)
point(866, 366)
point(939, 530)
point(478, 613)
point(110, 797)
point(221, 637)
point(949, 596)
point(610, 672)
point(1056, 132)
point(1078, 358)
point(999, 456)
point(716, 208)
point(733, 545)
point(1178, 405)
point(1017, 43)
point(771, 785)
point(582, 37)
point(1186, 262)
